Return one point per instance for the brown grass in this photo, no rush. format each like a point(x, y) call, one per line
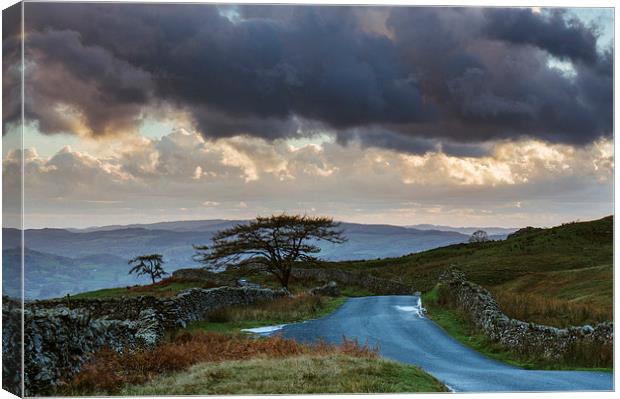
point(590, 354)
point(304, 374)
point(549, 311)
point(297, 307)
point(109, 371)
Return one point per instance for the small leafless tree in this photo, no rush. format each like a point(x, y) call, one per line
point(150, 265)
point(273, 243)
point(479, 236)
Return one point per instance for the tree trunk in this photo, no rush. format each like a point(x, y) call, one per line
point(286, 274)
point(280, 275)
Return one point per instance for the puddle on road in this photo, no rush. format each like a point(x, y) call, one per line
point(408, 308)
point(418, 310)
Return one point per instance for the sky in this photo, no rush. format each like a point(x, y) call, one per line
point(140, 113)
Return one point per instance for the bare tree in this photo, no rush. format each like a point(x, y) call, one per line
point(272, 243)
point(479, 236)
point(150, 265)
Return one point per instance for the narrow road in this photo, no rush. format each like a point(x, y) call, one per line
point(396, 325)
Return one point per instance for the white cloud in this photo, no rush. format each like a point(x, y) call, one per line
point(243, 177)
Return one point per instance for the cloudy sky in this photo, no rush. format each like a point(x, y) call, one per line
point(403, 115)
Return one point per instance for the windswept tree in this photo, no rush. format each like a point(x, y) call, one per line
point(150, 265)
point(479, 236)
point(273, 244)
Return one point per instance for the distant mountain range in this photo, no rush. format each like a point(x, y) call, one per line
point(61, 261)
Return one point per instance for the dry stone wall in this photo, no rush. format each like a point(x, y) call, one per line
point(60, 336)
point(121, 308)
point(377, 285)
point(550, 342)
point(196, 303)
point(57, 342)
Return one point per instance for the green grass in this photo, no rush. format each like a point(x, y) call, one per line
point(355, 292)
point(295, 375)
point(457, 325)
point(163, 288)
point(282, 311)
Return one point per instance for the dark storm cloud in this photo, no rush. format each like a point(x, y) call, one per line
point(389, 140)
point(89, 80)
point(11, 60)
point(442, 74)
point(550, 32)
point(489, 88)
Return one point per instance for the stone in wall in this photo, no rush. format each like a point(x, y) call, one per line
point(329, 289)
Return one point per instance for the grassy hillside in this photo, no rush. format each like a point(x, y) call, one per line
point(572, 263)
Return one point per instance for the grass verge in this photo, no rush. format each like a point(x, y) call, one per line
point(307, 374)
point(281, 311)
point(235, 363)
point(458, 326)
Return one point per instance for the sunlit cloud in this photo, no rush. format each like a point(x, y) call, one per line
point(244, 176)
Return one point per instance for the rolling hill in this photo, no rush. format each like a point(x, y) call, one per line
point(47, 275)
point(99, 255)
